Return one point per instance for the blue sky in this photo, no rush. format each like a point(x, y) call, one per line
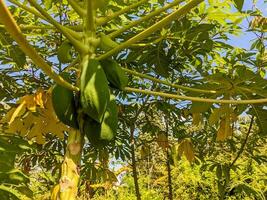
point(244, 40)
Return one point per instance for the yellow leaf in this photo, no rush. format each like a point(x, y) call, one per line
point(181, 149)
point(31, 122)
point(197, 119)
point(39, 98)
point(162, 140)
point(15, 127)
point(215, 116)
point(18, 111)
point(225, 130)
point(186, 148)
point(29, 101)
point(8, 116)
point(188, 151)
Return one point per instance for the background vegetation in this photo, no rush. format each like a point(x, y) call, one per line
point(178, 137)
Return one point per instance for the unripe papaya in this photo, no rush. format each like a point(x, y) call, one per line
point(115, 75)
point(64, 52)
point(94, 90)
point(100, 133)
point(64, 104)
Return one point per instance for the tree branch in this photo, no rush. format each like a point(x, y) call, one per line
point(244, 143)
point(145, 18)
point(12, 27)
point(167, 83)
point(106, 19)
point(68, 33)
point(197, 99)
point(162, 23)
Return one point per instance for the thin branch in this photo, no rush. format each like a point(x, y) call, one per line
point(28, 9)
point(12, 27)
point(197, 99)
point(108, 18)
point(162, 23)
point(244, 143)
point(78, 9)
point(168, 83)
point(67, 32)
point(145, 18)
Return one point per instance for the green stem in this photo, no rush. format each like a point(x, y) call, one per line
point(244, 143)
point(162, 23)
point(250, 91)
point(108, 18)
point(197, 99)
point(80, 11)
point(13, 29)
point(46, 27)
point(167, 83)
point(30, 10)
point(67, 32)
point(90, 26)
point(145, 18)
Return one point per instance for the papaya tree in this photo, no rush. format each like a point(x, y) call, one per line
point(106, 52)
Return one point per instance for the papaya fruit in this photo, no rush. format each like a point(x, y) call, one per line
point(114, 73)
point(64, 52)
point(100, 133)
point(64, 104)
point(94, 88)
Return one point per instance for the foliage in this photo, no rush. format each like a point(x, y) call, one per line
point(188, 120)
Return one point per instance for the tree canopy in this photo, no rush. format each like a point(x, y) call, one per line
point(125, 99)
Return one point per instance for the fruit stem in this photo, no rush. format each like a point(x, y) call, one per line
point(106, 19)
point(13, 29)
point(197, 99)
point(168, 83)
point(70, 34)
point(162, 23)
point(28, 9)
point(145, 18)
point(78, 9)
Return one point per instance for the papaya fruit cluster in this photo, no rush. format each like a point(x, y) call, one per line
point(97, 104)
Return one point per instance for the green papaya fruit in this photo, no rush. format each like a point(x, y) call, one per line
point(64, 104)
point(94, 90)
point(106, 43)
point(100, 133)
point(64, 52)
point(115, 75)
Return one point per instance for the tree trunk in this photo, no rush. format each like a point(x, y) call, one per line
point(70, 170)
point(135, 177)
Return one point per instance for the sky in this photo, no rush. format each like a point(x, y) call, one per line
point(244, 40)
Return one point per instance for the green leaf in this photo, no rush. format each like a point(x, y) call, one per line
point(94, 90)
point(261, 118)
point(7, 191)
point(18, 57)
point(106, 43)
point(48, 4)
point(200, 107)
point(239, 4)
